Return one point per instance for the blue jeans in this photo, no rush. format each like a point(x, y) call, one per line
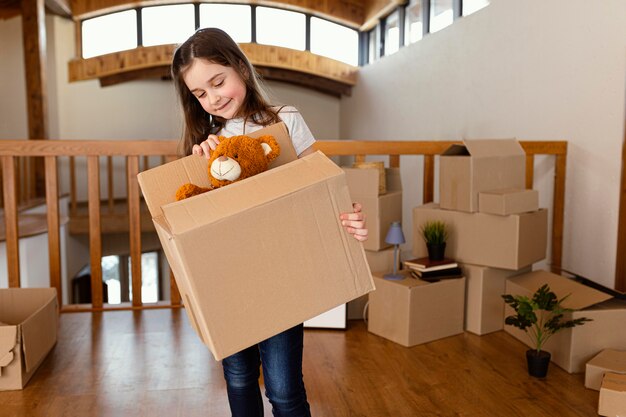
point(281, 356)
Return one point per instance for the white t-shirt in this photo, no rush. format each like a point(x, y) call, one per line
point(301, 136)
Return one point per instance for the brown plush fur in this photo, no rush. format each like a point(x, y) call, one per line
point(249, 154)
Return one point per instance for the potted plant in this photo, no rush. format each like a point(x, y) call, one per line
point(540, 317)
point(435, 233)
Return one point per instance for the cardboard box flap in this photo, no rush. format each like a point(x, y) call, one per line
point(39, 332)
point(159, 184)
point(480, 148)
point(614, 382)
point(8, 340)
point(580, 296)
point(237, 197)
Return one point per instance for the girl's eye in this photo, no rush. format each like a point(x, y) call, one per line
point(219, 84)
point(199, 96)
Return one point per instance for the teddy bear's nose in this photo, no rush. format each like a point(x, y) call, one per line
point(222, 158)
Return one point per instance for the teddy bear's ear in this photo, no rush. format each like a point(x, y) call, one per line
point(270, 146)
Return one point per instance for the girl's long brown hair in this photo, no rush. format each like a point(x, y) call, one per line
point(214, 45)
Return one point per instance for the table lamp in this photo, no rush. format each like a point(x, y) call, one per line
point(395, 237)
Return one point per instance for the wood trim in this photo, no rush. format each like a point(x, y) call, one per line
point(59, 7)
point(134, 218)
point(530, 171)
point(347, 12)
point(110, 198)
point(428, 194)
point(160, 56)
point(10, 221)
point(54, 238)
point(558, 212)
point(620, 262)
point(377, 9)
point(88, 147)
point(95, 233)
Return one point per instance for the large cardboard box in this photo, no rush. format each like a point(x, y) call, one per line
point(612, 401)
point(508, 201)
point(609, 360)
point(381, 262)
point(507, 242)
point(381, 210)
point(260, 255)
point(30, 317)
point(479, 165)
point(572, 348)
point(484, 306)
point(412, 311)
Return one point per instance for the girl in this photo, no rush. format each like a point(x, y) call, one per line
point(220, 95)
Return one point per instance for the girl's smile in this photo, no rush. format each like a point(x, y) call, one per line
point(219, 89)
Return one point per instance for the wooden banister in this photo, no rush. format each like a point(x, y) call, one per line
point(135, 152)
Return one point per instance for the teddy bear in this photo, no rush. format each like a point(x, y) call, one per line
point(235, 158)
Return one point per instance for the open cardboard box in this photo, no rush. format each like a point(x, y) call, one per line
point(381, 210)
point(261, 255)
point(572, 348)
point(479, 165)
point(411, 311)
point(30, 317)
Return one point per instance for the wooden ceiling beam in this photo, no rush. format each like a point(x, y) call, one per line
point(275, 63)
point(34, 38)
point(59, 7)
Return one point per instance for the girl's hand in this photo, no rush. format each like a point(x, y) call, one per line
point(206, 147)
point(354, 223)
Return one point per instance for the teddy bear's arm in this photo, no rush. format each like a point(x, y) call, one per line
point(189, 190)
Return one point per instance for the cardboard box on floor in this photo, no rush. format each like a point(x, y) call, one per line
point(609, 360)
point(572, 348)
point(30, 317)
point(260, 255)
point(412, 311)
point(508, 201)
point(484, 306)
point(379, 262)
point(479, 165)
point(381, 210)
point(507, 242)
point(612, 401)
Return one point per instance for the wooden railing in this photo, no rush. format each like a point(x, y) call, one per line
point(133, 151)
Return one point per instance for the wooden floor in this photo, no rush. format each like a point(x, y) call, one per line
point(150, 363)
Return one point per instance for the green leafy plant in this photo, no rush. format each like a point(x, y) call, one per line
point(435, 232)
point(540, 317)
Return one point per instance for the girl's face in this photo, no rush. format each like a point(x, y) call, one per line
point(219, 89)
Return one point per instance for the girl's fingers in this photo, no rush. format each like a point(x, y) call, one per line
point(357, 207)
point(352, 216)
point(354, 224)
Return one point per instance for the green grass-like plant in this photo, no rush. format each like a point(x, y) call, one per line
point(435, 232)
point(540, 317)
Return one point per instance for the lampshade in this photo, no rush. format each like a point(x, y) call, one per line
point(395, 235)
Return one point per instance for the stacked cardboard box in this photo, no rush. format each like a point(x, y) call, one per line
point(496, 227)
point(382, 206)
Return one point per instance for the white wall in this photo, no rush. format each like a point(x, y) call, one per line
point(535, 70)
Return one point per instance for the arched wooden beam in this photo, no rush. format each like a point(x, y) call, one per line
point(273, 62)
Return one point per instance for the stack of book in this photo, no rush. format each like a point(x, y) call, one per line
point(428, 270)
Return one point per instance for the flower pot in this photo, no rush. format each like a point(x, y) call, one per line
point(436, 251)
point(537, 362)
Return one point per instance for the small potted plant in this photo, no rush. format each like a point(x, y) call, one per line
point(435, 233)
point(540, 317)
